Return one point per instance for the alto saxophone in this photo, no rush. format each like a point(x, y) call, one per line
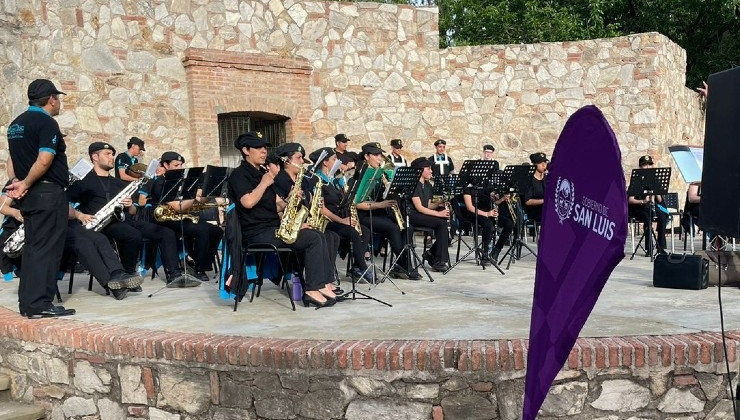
point(397, 215)
point(113, 209)
point(316, 219)
point(354, 220)
point(294, 213)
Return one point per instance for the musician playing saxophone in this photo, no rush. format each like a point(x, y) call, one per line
point(339, 220)
point(423, 213)
point(382, 222)
point(257, 205)
point(97, 190)
point(203, 236)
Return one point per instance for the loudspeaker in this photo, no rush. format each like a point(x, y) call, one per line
point(720, 182)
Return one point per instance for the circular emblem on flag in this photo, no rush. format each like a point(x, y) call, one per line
point(564, 198)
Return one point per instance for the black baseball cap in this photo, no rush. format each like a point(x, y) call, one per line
point(41, 88)
point(287, 149)
point(137, 141)
point(489, 147)
point(538, 157)
point(170, 156)
point(314, 156)
point(340, 138)
point(440, 141)
point(100, 145)
point(421, 162)
point(646, 160)
point(251, 139)
point(372, 148)
point(397, 143)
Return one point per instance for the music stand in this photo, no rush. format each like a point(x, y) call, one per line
point(475, 173)
point(649, 182)
point(518, 179)
point(180, 185)
point(403, 184)
point(214, 181)
point(350, 200)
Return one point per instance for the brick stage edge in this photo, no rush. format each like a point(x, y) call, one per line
point(96, 371)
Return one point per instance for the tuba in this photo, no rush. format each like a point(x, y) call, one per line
point(294, 213)
point(316, 219)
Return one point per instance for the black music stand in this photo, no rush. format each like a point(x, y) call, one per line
point(349, 200)
point(649, 182)
point(475, 173)
point(179, 185)
point(214, 181)
point(518, 179)
point(403, 185)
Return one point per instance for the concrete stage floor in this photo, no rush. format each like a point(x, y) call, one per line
point(467, 303)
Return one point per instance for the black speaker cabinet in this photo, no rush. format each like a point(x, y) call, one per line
point(720, 183)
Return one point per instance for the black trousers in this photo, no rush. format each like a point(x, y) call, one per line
point(387, 228)
point(45, 211)
point(94, 252)
point(129, 241)
point(205, 238)
point(641, 213)
point(485, 225)
point(442, 240)
point(126, 233)
point(318, 269)
point(359, 242)
point(507, 226)
point(332, 245)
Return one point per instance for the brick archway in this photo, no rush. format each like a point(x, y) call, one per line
point(223, 82)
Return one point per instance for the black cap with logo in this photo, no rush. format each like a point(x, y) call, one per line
point(340, 138)
point(251, 139)
point(421, 162)
point(137, 141)
point(41, 88)
point(99, 145)
point(170, 156)
point(372, 148)
point(646, 160)
point(397, 144)
point(440, 141)
point(489, 147)
point(538, 157)
point(314, 156)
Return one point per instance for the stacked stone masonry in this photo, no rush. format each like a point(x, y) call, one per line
point(373, 71)
point(78, 370)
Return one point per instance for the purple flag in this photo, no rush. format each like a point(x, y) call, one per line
point(584, 226)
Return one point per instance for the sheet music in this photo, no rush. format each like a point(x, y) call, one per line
point(689, 160)
point(151, 170)
point(81, 168)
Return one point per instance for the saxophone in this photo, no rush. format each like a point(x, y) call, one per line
point(113, 209)
point(294, 213)
point(316, 219)
point(354, 220)
point(165, 213)
point(397, 215)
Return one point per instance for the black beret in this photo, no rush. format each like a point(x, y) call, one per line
point(100, 145)
point(372, 148)
point(340, 138)
point(421, 162)
point(170, 156)
point(397, 143)
point(251, 139)
point(287, 149)
point(538, 157)
point(41, 88)
point(440, 141)
point(314, 156)
point(489, 147)
point(646, 160)
point(137, 141)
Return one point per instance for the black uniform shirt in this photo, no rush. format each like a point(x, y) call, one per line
point(443, 162)
point(243, 180)
point(536, 190)
point(94, 191)
point(123, 161)
point(424, 191)
point(333, 195)
point(284, 183)
point(36, 131)
point(484, 196)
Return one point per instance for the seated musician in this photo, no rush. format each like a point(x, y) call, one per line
point(534, 197)
point(691, 209)
point(13, 219)
point(482, 212)
point(205, 237)
point(339, 218)
point(380, 222)
point(290, 157)
point(97, 190)
point(257, 206)
point(639, 208)
point(424, 213)
point(506, 218)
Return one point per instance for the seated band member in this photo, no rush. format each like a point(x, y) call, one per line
point(97, 190)
point(421, 214)
point(257, 207)
point(12, 220)
point(381, 222)
point(534, 197)
point(483, 212)
point(339, 220)
point(135, 147)
point(505, 221)
point(639, 209)
point(205, 237)
point(692, 207)
point(443, 164)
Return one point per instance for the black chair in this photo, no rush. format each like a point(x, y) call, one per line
point(259, 251)
point(670, 202)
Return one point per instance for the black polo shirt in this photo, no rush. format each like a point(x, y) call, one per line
point(536, 190)
point(263, 216)
point(36, 131)
point(424, 191)
point(94, 191)
point(332, 194)
point(442, 161)
point(484, 196)
point(123, 161)
point(284, 183)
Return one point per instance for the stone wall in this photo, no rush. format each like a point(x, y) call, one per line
point(92, 371)
point(374, 72)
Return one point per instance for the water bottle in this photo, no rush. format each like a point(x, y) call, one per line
point(296, 289)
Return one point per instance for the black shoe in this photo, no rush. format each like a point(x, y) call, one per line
point(119, 294)
point(414, 275)
point(441, 267)
point(494, 256)
point(398, 273)
point(202, 276)
point(123, 280)
point(308, 301)
point(427, 255)
point(136, 289)
point(53, 312)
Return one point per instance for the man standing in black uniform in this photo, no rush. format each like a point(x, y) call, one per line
point(37, 152)
point(396, 156)
point(442, 163)
point(135, 146)
point(348, 159)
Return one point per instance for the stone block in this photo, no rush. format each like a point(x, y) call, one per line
point(132, 389)
point(184, 390)
point(422, 391)
point(565, 399)
point(157, 414)
point(279, 406)
point(231, 414)
point(87, 380)
point(234, 393)
point(111, 410)
point(712, 385)
point(468, 407)
point(721, 411)
point(323, 404)
point(370, 387)
point(387, 409)
point(295, 381)
point(622, 395)
point(680, 401)
point(454, 384)
point(77, 406)
point(510, 396)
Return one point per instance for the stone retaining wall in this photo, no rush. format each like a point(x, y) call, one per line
point(90, 371)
